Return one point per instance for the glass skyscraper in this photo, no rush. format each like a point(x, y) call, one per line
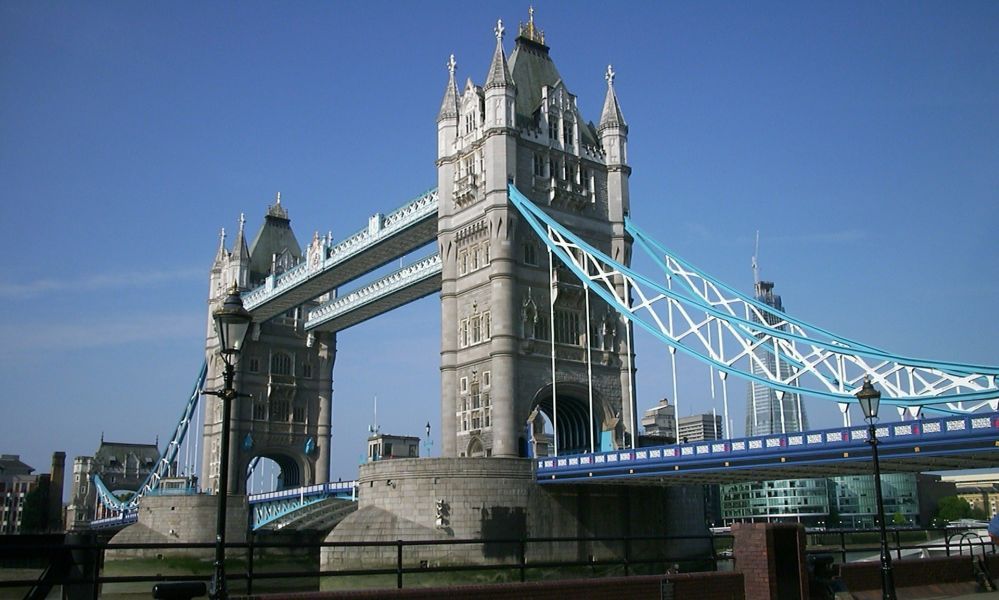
point(769, 411)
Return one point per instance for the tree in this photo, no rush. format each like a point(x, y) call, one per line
point(35, 514)
point(952, 508)
point(898, 518)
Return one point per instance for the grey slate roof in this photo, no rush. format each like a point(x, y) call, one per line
point(499, 74)
point(611, 115)
point(532, 68)
point(10, 464)
point(274, 237)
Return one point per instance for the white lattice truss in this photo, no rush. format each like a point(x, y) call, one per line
point(703, 318)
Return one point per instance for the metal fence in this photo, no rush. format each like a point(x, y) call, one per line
point(77, 561)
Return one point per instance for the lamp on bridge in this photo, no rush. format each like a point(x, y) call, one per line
point(869, 399)
point(427, 442)
point(231, 323)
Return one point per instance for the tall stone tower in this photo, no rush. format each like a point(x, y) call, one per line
point(286, 371)
point(522, 126)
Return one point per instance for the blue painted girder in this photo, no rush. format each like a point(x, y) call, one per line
point(926, 445)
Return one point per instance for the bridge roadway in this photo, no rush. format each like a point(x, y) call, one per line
point(939, 444)
point(386, 238)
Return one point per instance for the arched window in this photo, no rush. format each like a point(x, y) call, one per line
point(280, 364)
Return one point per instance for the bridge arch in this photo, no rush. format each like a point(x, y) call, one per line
point(294, 470)
point(573, 425)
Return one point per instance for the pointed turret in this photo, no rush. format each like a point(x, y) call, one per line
point(499, 73)
point(239, 259)
point(611, 115)
point(449, 106)
point(222, 253)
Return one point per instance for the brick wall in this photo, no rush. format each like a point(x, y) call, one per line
point(910, 572)
point(756, 548)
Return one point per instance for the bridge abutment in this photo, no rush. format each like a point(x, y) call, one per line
point(181, 520)
point(498, 500)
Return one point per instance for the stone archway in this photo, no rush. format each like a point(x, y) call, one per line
point(293, 471)
point(572, 421)
point(475, 448)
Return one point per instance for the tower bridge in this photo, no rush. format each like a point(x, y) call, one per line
point(534, 238)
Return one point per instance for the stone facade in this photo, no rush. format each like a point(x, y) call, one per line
point(523, 127)
point(187, 519)
point(445, 499)
point(287, 372)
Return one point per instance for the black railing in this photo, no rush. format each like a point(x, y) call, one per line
point(87, 558)
point(77, 562)
point(949, 540)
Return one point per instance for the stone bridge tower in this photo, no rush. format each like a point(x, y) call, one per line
point(287, 372)
point(523, 126)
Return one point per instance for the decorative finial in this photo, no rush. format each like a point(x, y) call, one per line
point(279, 197)
point(222, 239)
point(610, 75)
point(499, 30)
point(530, 14)
point(242, 222)
point(451, 64)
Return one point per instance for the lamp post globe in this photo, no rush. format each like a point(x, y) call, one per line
point(869, 399)
point(232, 321)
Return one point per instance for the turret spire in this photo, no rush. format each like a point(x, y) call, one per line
point(611, 115)
point(499, 74)
point(449, 106)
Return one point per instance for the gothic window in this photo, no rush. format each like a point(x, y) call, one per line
point(530, 254)
point(299, 414)
point(476, 255)
point(476, 421)
point(280, 364)
point(462, 262)
point(279, 410)
point(476, 329)
point(567, 134)
point(463, 333)
point(487, 378)
point(567, 327)
point(254, 364)
point(486, 326)
point(485, 252)
point(259, 411)
point(539, 165)
point(552, 126)
point(488, 418)
point(463, 386)
point(572, 173)
point(541, 328)
point(307, 371)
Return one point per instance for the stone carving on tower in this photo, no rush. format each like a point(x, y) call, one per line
point(523, 125)
point(286, 372)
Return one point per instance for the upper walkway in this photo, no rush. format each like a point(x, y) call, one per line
point(386, 238)
point(940, 444)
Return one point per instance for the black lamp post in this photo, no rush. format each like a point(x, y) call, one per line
point(231, 323)
point(428, 443)
point(870, 399)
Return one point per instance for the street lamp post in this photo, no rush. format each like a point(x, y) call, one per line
point(428, 443)
point(231, 323)
point(869, 399)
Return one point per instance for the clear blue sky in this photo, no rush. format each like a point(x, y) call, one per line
point(861, 139)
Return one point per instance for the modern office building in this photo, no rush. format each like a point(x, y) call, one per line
point(17, 482)
point(698, 428)
point(659, 423)
point(770, 411)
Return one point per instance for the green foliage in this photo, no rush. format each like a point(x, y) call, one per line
point(35, 518)
point(952, 508)
point(898, 518)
